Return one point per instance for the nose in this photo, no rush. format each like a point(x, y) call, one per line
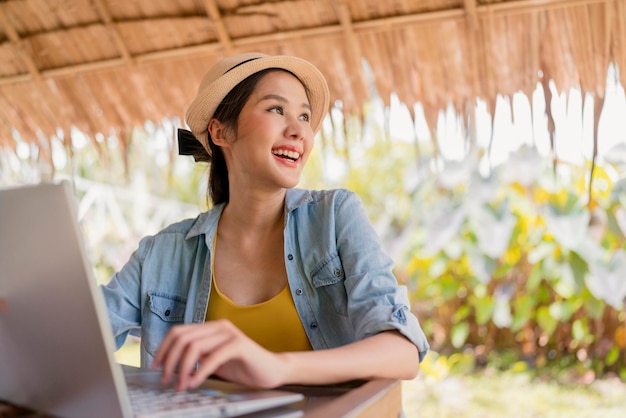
point(295, 129)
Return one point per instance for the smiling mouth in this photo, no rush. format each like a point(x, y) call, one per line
point(287, 155)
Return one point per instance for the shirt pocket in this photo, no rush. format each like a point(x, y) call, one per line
point(161, 312)
point(328, 278)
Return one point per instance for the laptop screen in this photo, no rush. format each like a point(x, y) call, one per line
point(56, 345)
point(53, 355)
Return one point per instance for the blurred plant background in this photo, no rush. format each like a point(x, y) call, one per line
point(513, 247)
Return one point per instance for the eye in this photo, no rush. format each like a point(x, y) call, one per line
point(305, 117)
point(276, 109)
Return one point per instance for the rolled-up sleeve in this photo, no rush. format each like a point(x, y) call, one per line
point(122, 296)
point(376, 302)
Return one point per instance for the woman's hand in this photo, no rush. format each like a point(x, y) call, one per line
point(221, 349)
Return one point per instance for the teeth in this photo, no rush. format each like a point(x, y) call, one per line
point(290, 154)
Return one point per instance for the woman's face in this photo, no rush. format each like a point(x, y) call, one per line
point(273, 136)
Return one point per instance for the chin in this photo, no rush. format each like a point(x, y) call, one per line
point(289, 181)
point(289, 184)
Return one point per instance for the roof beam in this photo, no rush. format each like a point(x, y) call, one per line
point(345, 19)
point(521, 6)
point(18, 45)
point(352, 45)
point(470, 14)
point(105, 15)
point(222, 34)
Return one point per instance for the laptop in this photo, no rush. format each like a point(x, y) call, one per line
point(56, 343)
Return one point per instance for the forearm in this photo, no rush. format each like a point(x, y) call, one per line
point(385, 355)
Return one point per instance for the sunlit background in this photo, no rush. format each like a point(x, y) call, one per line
point(515, 260)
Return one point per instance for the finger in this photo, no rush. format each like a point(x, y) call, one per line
point(221, 354)
point(195, 352)
point(181, 349)
point(181, 338)
point(199, 350)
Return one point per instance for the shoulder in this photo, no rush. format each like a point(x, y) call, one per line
point(329, 209)
point(182, 231)
point(181, 227)
point(167, 236)
point(202, 224)
point(332, 195)
point(326, 198)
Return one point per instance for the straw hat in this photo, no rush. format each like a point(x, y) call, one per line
point(230, 71)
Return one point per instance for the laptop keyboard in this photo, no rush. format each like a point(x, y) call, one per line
point(150, 402)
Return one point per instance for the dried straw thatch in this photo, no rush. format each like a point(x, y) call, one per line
point(108, 65)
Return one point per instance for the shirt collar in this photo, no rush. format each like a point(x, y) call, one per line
point(206, 222)
point(294, 198)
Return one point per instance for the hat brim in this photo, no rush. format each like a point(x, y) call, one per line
point(208, 99)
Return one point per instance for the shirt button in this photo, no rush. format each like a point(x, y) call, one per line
point(167, 312)
point(337, 272)
point(290, 257)
point(313, 325)
point(298, 292)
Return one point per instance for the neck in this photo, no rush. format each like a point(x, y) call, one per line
point(254, 212)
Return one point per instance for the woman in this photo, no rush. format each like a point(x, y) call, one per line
point(273, 285)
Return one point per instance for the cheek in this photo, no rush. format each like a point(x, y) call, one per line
point(309, 140)
point(244, 127)
point(308, 147)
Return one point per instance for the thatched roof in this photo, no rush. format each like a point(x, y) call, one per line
point(108, 65)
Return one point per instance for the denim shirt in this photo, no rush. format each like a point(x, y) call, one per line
point(340, 277)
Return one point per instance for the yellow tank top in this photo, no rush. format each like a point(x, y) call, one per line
point(273, 324)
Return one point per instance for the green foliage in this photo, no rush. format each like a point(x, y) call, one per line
point(526, 265)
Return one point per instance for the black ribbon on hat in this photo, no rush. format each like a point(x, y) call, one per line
point(188, 144)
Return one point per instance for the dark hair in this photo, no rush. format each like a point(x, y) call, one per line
point(228, 112)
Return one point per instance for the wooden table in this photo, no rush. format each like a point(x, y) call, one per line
point(380, 398)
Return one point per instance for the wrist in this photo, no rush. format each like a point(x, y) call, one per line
point(288, 363)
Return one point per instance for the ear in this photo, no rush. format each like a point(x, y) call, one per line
point(218, 132)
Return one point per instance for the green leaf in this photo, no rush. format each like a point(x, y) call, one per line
point(565, 285)
point(561, 311)
point(449, 287)
point(480, 290)
point(502, 270)
point(545, 320)
point(580, 329)
point(462, 363)
point(613, 225)
point(461, 313)
point(579, 268)
point(523, 308)
point(458, 334)
point(484, 309)
point(593, 306)
point(543, 294)
point(612, 356)
point(535, 277)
